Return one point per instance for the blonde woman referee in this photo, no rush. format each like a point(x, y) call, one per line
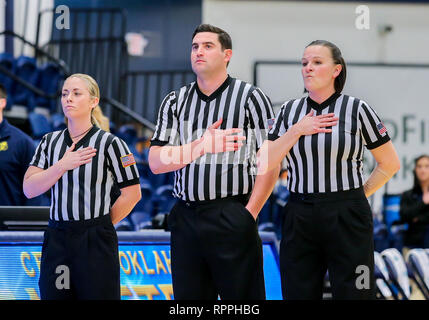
point(80, 165)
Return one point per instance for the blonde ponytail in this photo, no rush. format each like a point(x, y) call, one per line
point(99, 119)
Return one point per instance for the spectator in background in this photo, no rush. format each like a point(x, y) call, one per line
point(414, 207)
point(16, 151)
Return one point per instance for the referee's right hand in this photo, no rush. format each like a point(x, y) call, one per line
point(73, 159)
point(312, 124)
point(216, 140)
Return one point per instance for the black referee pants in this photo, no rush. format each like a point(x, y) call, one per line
point(80, 261)
point(330, 231)
point(215, 250)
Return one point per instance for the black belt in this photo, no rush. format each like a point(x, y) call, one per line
point(353, 194)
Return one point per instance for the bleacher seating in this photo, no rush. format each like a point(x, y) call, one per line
point(127, 133)
point(418, 263)
point(265, 217)
point(46, 77)
point(124, 225)
point(145, 203)
point(163, 199)
point(26, 69)
point(58, 121)
point(381, 241)
point(40, 125)
point(141, 220)
point(398, 273)
point(7, 61)
point(141, 214)
point(392, 220)
point(48, 80)
point(382, 280)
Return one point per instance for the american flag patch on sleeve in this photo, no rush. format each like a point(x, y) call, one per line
point(381, 128)
point(128, 160)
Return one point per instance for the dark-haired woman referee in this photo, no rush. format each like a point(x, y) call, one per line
point(80, 165)
point(328, 221)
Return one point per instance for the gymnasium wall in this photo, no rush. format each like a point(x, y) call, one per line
point(280, 30)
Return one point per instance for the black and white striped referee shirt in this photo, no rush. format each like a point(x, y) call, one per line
point(184, 116)
point(84, 193)
point(329, 162)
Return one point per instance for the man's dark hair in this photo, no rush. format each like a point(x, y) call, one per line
point(223, 36)
point(3, 92)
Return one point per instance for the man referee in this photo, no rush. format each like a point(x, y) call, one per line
point(215, 245)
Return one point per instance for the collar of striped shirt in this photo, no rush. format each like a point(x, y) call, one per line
point(85, 138)
point(319, 107)
point(215, 94)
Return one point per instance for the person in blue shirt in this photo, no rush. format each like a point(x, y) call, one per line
point(16, 152)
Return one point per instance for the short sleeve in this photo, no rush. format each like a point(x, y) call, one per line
point(122, 164)
point(166, 130)
point(40, 158)
point(374, 133)
point(261, 116)
point(279, 127)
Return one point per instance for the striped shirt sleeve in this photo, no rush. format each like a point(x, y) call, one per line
point(279, 128)
point(261, 116)
point(167, 123)
point(373, 131)
point(40, 158)
point(122, 164)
